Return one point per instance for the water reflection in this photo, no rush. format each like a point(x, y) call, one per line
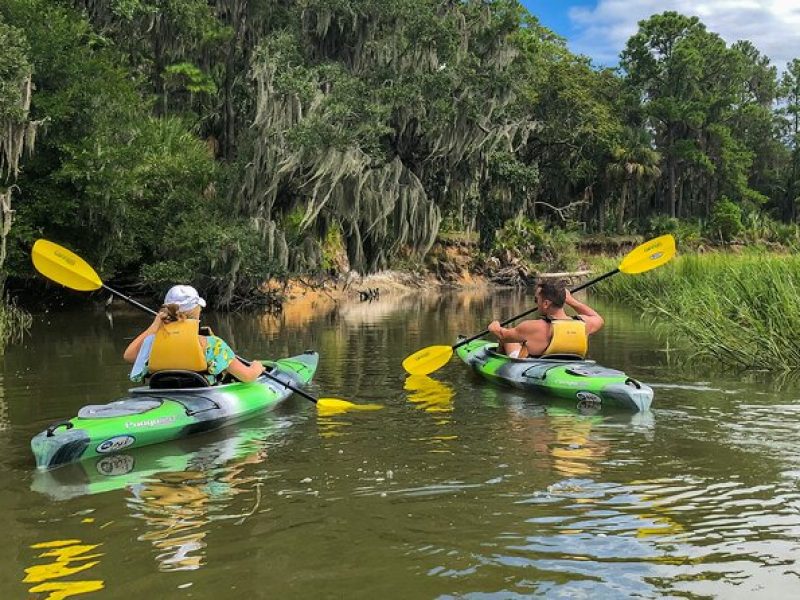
point(430, 395)
point(178, 505)
point(176, 488)
point(4, 422)
point(66, 559)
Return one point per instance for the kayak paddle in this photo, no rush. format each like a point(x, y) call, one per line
point(70, 270)
point(644, 257)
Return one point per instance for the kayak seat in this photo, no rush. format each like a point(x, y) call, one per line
point(120, 408)
point(177, 379)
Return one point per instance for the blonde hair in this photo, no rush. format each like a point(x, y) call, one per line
point(174, 313)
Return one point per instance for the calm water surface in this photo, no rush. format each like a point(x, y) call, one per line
point(455, 489)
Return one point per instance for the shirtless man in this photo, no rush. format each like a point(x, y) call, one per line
point(555, 332)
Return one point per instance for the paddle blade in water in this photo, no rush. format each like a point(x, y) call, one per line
point(427, 360)
point(331, 406)
point(62, 266)
point(649, 255)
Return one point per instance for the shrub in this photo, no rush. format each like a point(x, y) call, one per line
point(726, 220)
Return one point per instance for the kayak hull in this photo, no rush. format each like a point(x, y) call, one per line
point(584, 381)
point(149, 416)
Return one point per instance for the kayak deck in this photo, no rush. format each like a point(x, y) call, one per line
point(582, 380)
point(149, 416)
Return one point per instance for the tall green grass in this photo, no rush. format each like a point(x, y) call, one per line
point(741, 310)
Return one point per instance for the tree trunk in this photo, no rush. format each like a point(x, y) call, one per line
point(621, 207)
point(672, 174)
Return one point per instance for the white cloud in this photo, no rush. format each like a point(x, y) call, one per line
point(773, 26)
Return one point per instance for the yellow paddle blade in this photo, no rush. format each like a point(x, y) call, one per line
point(62, 266)
point(332, 406)
point(649, 255)
point(427, 360)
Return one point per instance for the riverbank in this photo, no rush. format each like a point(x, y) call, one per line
point(454, 262)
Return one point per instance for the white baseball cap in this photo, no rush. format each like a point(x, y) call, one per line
point(185, 296)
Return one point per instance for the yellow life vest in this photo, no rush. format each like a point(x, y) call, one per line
point(569, 337)
point(177, 346)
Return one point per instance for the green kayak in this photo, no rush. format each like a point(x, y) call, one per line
point(581, 380)
point(174, 405)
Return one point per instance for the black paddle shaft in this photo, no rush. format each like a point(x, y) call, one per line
point(129, 300)
point(534, 309)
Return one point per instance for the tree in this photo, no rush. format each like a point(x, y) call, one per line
point(633, 164)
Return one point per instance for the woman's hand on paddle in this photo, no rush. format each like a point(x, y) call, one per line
point(158, 321)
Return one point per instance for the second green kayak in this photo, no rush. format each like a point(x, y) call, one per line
point(584, 381)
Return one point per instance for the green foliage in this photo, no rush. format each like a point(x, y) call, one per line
point(14, 69)
point(187, 76)
point(688, 233)
point(726, 220)
point(333, 249)
point(357, 124)
point(543, 248)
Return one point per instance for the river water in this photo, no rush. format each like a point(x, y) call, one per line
point(455, 489)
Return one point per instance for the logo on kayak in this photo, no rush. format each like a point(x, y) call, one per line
point(115, 443)
point(149, 422)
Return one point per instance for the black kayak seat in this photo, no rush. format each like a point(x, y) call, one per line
point(177, 379)
point(120, 408)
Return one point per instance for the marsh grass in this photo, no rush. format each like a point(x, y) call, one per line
point(740, 310)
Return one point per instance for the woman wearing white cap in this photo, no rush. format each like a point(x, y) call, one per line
point(173, 341)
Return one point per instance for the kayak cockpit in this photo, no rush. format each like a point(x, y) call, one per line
point(119, 408)
point(550, 358)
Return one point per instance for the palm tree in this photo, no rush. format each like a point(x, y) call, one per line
point(634, 163)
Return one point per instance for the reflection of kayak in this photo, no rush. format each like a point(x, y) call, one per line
point(148, 415)
point(131, 468)
point(581, 380)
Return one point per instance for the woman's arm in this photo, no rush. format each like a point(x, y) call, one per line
point(132, 351)
point(244, 372)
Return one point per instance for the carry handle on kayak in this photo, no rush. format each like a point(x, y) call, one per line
point(51, 429)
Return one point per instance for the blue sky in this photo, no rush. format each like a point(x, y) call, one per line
point(554, 14)
point(600, 28)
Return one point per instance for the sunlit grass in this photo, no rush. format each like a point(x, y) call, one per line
point(737, 309)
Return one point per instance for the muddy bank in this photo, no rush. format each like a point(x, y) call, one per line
point(448, 265)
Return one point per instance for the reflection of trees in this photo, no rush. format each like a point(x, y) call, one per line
point(4, 422)
point(178, 505)
point(562, 439)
